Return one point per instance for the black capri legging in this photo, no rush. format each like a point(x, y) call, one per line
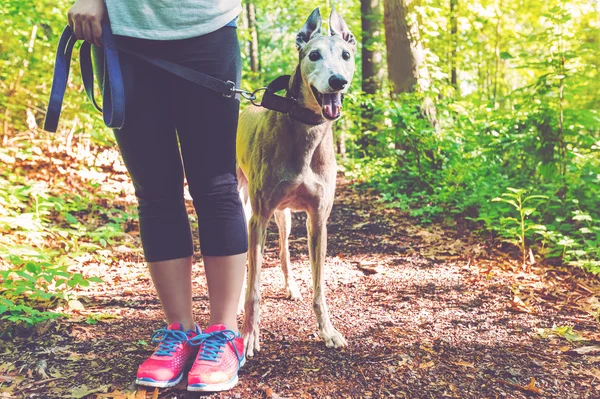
point(164, 113)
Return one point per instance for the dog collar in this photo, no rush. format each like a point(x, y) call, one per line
point(288, 105)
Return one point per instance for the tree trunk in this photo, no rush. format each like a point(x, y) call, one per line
point(406, 69)
point(453, 42)
point(497, 56)
point(402, 50)
point(371, 55)
point(372, 71)
point(253, 43)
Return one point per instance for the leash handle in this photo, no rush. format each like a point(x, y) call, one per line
point(114, 94)
point(59, 80)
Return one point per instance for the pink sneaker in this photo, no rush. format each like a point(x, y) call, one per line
point(220, 355)
point(165, 367)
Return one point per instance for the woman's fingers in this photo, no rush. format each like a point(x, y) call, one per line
point(87, 32)
point(96, 32)
point(71, 22)
point(78, 29)
point(85, 18)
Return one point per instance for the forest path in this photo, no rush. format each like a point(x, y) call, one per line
point(429, 312)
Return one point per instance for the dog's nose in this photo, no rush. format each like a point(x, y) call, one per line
point(337, 82)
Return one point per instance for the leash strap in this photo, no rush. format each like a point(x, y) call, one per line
point(288, 105)
point(113, 96)
point(59, 80)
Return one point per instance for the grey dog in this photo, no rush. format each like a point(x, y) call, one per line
point(285, 164)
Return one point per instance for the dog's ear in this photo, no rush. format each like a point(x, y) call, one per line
point(310, 28)
point(337, 26)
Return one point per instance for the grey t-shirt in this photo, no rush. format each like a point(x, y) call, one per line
point(170, 19)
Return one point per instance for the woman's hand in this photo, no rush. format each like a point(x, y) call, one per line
point(85, 18)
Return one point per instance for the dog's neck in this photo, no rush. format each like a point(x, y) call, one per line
point(313, 144)
point(301, 91)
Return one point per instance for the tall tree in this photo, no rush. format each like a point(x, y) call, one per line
point(372, 68)
point(453, 41)
point(253, 42)
point(406, 69)
point(403, 52)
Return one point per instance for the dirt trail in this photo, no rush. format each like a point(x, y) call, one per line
point(428, 313)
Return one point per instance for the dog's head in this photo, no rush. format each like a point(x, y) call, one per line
point(327, 62)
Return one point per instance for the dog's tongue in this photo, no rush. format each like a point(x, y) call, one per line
point(332, 105)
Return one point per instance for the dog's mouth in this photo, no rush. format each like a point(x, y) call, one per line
point(331, 104)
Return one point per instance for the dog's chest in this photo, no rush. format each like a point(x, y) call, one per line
point(307, 190)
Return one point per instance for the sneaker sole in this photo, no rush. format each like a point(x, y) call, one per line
point(226, 386)
point(158, 384)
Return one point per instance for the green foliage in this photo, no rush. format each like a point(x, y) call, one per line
point(44, 230)
point(516, 229)
point(566, 332)
point(532, 124)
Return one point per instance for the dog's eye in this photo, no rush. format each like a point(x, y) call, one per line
point(314, 55)
point(346, 55)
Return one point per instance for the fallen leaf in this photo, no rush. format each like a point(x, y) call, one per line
point(528, 388)
point(75, 305)
point(593, 372)
point(518, 305)
point(568, 333)
point(83, 390)
point(74, 357)
point(532, 388)
point(564, 348)
point(427, 348)
point(116, 394)
point(465, 364)
point(427, 365)
point(585, 350)
point(370, 267)
point(140, 393)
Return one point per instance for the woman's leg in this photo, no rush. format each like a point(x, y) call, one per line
point(225, 277)
point(150, 150)
point(173, 282)
point(207, 125)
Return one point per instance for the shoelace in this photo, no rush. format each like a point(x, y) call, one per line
point(169, 340)
point(213, 343)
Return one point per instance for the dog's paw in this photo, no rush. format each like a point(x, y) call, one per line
point(333, 338)
point(251, 339)
point(292, 292)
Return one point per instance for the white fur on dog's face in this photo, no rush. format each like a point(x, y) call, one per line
point(324, 57)
point(326, 62)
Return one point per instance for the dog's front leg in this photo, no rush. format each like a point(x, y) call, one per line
point(250, 330)
point(317, 249)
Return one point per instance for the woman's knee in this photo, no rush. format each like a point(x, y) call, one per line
point(219, 193)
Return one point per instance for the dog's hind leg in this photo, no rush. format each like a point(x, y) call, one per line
point(284, 225)
point(257, 229)
point(317, 250)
